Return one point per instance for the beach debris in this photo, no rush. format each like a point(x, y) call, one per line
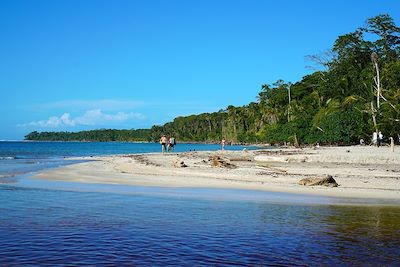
point(180, 164)
point(241, 159)
point(217, 161)
point(270, 169)
point(282, 152)
point(297, 159)
point(144, 160)
point(325, 181)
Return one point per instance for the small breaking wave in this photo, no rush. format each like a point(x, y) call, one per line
point(7, 158)
point(8, 175)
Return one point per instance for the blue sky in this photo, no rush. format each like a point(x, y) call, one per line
point(73, 65)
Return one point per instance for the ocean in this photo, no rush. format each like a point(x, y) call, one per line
point(49, 223)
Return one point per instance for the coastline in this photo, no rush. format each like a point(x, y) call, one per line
point(361, 171)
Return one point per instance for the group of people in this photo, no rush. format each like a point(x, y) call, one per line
point(377, 138)
point(167, 144)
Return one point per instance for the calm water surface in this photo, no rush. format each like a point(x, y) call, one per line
point(58, 223)
point(62, 227)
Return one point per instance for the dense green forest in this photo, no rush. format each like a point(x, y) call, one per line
point(354, 91)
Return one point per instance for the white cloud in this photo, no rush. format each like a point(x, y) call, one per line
point(90, 117)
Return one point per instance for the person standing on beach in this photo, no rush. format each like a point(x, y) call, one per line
point(163, 142)
point(171, 143)
point(222, 144)
point(374, 138)
point(380, 138)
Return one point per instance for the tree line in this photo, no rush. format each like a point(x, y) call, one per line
point(354, 91)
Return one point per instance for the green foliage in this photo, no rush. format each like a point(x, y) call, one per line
point(102, 135)
point(287, 132)
point(340, 127)
point(334, 106)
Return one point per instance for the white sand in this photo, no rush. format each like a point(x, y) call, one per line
point(361, 172)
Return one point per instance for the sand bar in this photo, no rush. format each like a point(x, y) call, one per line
point(360, 171)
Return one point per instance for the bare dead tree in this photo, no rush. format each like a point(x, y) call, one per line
point(377, 81)
point(378, 89)
point(323, 60)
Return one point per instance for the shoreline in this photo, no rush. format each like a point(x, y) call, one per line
point(205, 193)
point(361, 172)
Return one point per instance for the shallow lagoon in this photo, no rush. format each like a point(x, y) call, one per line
point(44, 222)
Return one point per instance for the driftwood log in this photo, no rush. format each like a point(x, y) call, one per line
point(217, 161)
point(325, 181)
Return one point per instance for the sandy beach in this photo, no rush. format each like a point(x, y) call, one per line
point(360, 171)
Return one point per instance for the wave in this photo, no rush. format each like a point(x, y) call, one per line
point(7, 158)
point(7, 175)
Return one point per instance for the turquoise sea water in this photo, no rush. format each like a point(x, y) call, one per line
point(70, 224)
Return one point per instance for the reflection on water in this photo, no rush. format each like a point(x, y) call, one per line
point(336, 235)
point(48, 226)
point(377, 228)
